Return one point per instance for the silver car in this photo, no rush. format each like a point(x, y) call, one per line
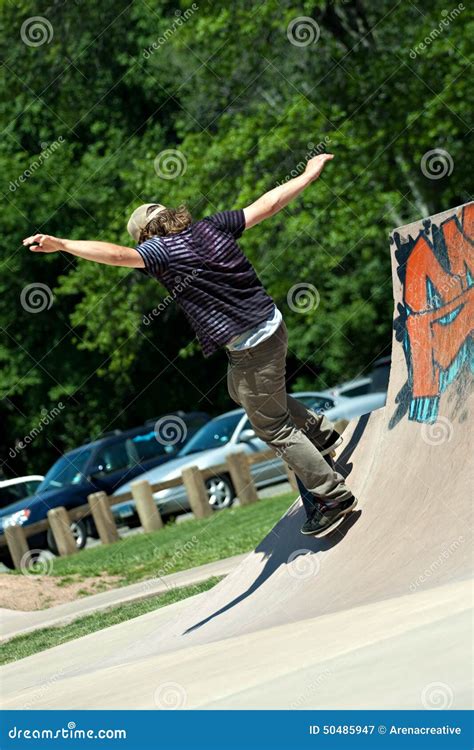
point(211, 445)
point(338, 407)
point(228, 433)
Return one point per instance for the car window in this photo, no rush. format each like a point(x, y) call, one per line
point(12, 493)
point(115, 456)
point(68, 470)
point(193, 423)
point(357, 390)
point(31, 486)
point(147, 446)
point(18, 491)
point(213, 434)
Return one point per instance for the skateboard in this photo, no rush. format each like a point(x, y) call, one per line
point(337, 524)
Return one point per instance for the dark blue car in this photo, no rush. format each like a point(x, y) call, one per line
point(104, 464)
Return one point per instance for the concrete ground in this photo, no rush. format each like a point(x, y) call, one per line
point(13, 622)
point(384, 654)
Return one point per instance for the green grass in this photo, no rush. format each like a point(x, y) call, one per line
point(40, 640)
point(177, 546)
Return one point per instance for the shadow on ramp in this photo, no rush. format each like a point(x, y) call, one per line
point(342, 464)
point(276, 553)
point(282, 543)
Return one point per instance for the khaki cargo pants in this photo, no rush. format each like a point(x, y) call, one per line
point(256, 380)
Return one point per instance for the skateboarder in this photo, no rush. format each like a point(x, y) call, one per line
point(203, 268)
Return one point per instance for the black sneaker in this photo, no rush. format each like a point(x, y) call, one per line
point(329, 460)
point(324, 519)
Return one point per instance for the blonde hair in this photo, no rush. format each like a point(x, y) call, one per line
point(168, 221)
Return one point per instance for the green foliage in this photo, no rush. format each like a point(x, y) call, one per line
point(117, 84)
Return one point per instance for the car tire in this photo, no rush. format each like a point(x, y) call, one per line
point(78, 528)
point(6, 560)
point(220, 491)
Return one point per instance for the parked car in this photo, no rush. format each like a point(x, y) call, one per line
point(12, 490)
point(352, 388)
point(375, 382)
point(209, 446)
point(102, 464)
point(212, 444)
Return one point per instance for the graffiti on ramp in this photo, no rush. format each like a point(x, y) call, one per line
point(435, 317)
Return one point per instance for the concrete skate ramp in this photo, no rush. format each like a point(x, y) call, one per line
point(394, 570)
point(407, 464)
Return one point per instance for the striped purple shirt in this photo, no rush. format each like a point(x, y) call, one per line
point(210, 278)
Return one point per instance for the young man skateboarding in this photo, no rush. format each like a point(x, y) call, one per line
point(203, 268)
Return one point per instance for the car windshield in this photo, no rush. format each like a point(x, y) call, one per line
point(19, 491)
point(360, 389)
point(66, 471)
point(214, 434)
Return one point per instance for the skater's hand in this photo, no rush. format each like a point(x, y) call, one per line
point(43, 243)
point(316, 165)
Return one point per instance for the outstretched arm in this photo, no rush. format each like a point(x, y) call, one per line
point(273, 201)
point(100, 252)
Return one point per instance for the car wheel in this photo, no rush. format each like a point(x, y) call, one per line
point(6, 560)
point(220, 491)
point(79, 530)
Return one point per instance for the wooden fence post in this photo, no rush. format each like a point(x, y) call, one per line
point(17, 544)
point(241, 478)
point(60, 525)
point(103, 517)
point(148, 513)
point(197, 492)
